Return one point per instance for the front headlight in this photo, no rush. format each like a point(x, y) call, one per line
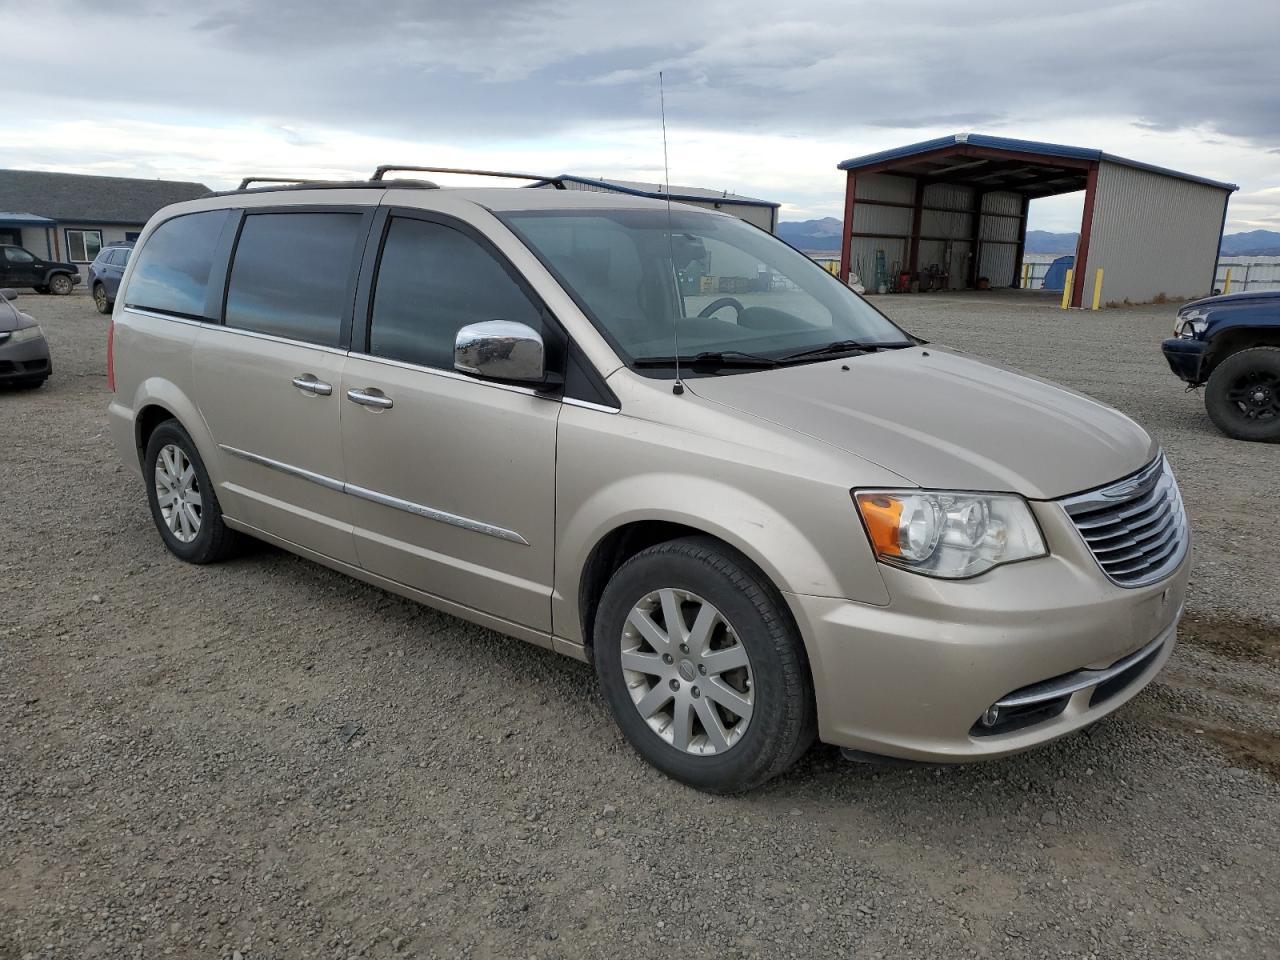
point(1190, 324)
point(948, 534)
point(26, 333)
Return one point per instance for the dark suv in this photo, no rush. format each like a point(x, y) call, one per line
point(1232, 344)
point(106, 272)
point(22, 268)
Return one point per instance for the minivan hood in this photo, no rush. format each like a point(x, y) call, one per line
point(944, 420)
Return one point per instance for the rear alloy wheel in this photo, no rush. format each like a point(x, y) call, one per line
point(701, 666)
point(100, 298)
point(183, 503)
point(60, 284)
point(1243, 395)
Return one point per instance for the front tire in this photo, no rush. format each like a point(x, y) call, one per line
point(1243, 395)
point(702, 667)
point(100, 299)
point(183, 503)
point(60, 284)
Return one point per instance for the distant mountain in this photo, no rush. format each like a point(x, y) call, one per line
point(813, 236)
point(823, 236)
point(1042, 241)
point(1253, 243)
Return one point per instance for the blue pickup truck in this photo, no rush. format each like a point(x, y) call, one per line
point(1231, 345)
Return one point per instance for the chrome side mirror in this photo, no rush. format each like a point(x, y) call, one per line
point(500, 350)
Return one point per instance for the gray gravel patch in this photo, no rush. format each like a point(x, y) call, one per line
point(264, 759)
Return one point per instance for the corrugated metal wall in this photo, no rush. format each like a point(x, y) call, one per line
point(869, 218)
point(946, 229)
point(1152, 235)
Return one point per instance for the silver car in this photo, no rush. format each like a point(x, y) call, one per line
point(657, 439)
point(24, 352)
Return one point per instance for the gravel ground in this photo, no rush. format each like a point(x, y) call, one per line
point(265, 759)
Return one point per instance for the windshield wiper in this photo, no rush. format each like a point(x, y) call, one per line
point(710, 358)
point(841, 346)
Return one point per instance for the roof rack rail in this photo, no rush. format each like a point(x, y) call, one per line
point(380, 173)
point(282, 184)
point(244, 184)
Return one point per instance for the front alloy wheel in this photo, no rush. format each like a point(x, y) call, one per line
point(702, 667)
point(60, 284)
point(100, 298)
point(688, 674)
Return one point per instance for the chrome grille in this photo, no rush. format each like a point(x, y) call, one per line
point(1136, 528)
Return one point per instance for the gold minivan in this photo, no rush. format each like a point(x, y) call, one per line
point(658, 439)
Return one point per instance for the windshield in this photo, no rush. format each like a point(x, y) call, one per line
point(711, 283)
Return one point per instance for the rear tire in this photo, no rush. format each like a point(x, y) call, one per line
point(1243, 395)
point(714, 749)
point(183, 503)
point(100, 299)
point(60, 284)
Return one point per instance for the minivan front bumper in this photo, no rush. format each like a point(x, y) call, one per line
point(1051, 641)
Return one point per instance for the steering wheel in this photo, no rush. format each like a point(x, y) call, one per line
point(715, 305)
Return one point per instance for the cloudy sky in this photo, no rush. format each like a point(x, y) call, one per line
point(763, 98)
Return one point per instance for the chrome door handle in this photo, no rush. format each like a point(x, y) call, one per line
point(367, 399)
point(307, 383)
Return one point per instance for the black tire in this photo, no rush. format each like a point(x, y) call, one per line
point(100, 298)
point(213, 539)
point(783, 718)
point(60, 284)
point(1243, 395)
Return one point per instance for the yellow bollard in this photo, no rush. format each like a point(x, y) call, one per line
point(1097, 289)
point(1066, 289)
point(1026, 275)
point(1226, 287)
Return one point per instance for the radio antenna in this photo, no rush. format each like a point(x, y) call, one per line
point(678, 387)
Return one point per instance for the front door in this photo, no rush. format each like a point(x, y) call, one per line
point(20, 268)
point(268, 381)
point(451, 478)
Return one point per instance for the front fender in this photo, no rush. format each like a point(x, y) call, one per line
point(800, 529)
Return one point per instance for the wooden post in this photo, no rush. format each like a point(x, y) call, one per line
point(846, 239)
point(1086, 226)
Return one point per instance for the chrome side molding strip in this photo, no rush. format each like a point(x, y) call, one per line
point(373, 496)
point(419, 510)
point(329, 483)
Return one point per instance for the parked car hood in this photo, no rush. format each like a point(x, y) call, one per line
point(941, 419)
point(1228, 299)
point(13, 319)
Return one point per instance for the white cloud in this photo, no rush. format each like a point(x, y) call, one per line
point(763, 99)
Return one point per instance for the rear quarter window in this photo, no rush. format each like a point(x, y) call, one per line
point(174, 266)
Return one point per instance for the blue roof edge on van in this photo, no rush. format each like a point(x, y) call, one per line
point(657, 195)
point(1024, 146)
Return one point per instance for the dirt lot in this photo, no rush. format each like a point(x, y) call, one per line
point(176, 777)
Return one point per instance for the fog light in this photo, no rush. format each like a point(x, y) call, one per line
point(991, 717)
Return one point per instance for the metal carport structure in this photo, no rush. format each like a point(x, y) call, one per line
point(959, 203)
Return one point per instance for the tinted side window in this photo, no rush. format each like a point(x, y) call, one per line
point(18, 255)
point(291, 275)
point(432, 281)
point(172, 273)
